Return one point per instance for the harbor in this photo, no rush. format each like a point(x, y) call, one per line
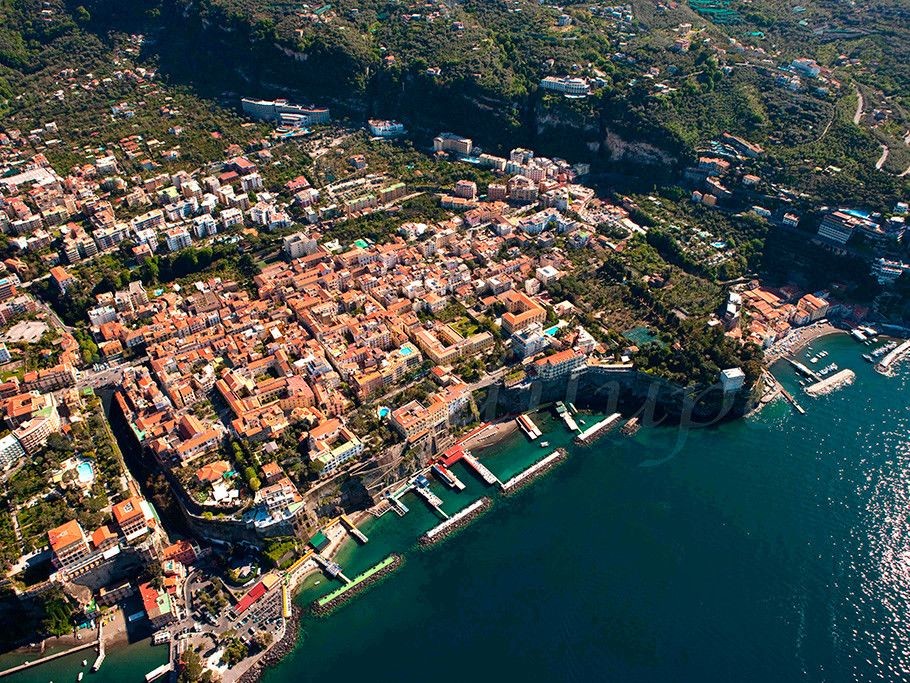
point(886, 365)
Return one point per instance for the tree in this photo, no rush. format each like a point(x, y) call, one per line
point(191, 669)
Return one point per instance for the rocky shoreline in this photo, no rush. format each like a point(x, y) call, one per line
point(277, 652)
point(327, 608)
point(426, 540)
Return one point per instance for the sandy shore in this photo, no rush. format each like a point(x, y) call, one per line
point(490, 434)
point(798, 339)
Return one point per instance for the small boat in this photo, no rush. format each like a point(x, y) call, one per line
point(544, 444)
point(79, 677)
point(84, 662)
point(869, 358)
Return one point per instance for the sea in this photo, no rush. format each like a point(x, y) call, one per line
point(775, 547)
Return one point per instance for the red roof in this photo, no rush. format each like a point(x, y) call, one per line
point(247, 600)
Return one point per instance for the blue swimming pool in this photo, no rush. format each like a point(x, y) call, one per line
point(383, 412)
point(551, 331)
point(85, 471)
point(406, 351)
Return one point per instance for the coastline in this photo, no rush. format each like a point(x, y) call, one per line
point(490, 434)
point(798, 339)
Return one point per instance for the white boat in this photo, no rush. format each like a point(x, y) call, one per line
point(79, 677)
point(84, 662)
point(544, 444)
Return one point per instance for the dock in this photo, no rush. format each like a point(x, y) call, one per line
point(566, 416)
point(631, 427)
point(537, 468)
point(804, 371)
point(829, 384)
point(432, 499)
point(341, 595)
point(597, 430)
point(488, 477)
point(528, 427)
point(157, 672)
point(333, 569)
point(448, 477)
point(885, 365)
point(49, 658)
point(456, 521)
point(353, 530)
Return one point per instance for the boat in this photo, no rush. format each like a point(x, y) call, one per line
point(630, 427)
point(84, 662)
point(544, 444)
point(868, 358)
point(79, 677)
point(813, 360)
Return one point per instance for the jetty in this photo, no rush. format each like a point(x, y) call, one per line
point(488, 477)
point(432, 499)
point(158, 672)
point(528, 427)
point(49, 658)
point(353, 530)
point(829, 384)
point(566, 416)
point(535, 470)
point(803, 370)
point(341, 595)
point(886, 363)
point(457, 521)
point(597, 430)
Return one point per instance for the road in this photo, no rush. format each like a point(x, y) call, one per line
point(883, 158)
point(108, 376)
point(858, 116)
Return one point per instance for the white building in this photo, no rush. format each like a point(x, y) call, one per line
point(732, 379)
point(178, 238)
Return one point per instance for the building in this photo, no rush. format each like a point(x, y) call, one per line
point(839, 226)
point(158, 605)
point(530, 341)
point(449, 142)
point(414, 420)
point(386, 129)
point(732, 379)
point(282, 111)
point(570, 87)
point(69, 545)
point(178, 238)
point(299, 244)
point(62, 279)
point(132, 518)
point(11, 451)
point(332, 444)
point(521, 311)
point(559, 364)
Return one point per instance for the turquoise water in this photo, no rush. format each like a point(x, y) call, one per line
point(771, 548)
point(85, 472)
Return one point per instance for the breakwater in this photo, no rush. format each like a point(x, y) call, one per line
point(277, 651)
point(829, 384)
point(336, 598)
point(457, 521)
point(534, 471)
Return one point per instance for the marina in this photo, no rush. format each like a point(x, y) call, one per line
point(597, 430)
point(566, 416)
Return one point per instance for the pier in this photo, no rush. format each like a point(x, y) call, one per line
point(353, 530)
point(157, 672)
point(896, 355)
point(488, 477)
point(528, 427)
point(537, 468)
point(566, 416)
point(339, 596)
point(49, 658)
point(333, 569)
point(597, 430)
point(432, 499)
point(829, 384)
point(456, 521)
point(803, 370)
point(631, 427)
point(448, 477)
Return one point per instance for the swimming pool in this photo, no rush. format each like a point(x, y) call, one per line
point(383, 412)
point(551, 331)
point(406, 351)
point(85, 471)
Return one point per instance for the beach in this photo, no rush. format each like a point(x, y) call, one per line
point(489, 434)
point(799, 338)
